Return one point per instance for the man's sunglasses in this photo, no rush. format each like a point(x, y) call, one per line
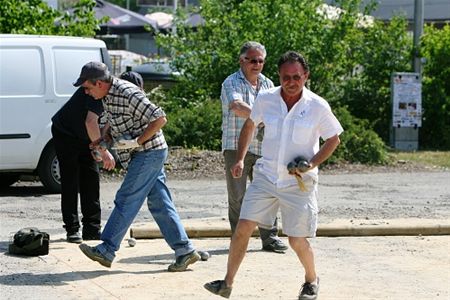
point(255, 61)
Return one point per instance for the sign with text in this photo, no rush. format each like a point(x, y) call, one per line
point(406, 100)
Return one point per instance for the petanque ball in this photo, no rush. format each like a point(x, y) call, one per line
point(131, 242)
point(204, 255)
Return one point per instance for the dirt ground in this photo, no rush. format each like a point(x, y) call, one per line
point(411, 267)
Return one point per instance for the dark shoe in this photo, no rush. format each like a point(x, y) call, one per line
point(95, 255)
point(276, 246)
point(309, 291)
point(74, 237)
point(218, 287)
point(92, 236)
point(183, 261)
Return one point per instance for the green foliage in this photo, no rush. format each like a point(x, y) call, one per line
point(359, 143)
point(351, 58)
point(334, 47)
point(435, 47)
point(366, 91)
point(36, 17)
point(190, 124)
point(198, 125)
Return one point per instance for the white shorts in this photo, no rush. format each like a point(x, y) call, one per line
point(298, 209)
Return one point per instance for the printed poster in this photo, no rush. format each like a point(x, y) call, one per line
point(407, 100)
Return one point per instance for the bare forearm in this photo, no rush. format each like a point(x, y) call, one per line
point(244, 141)
point(92, 128)
point(325, 151)
point(245, 138)
point(152, 128)
point(240, 108)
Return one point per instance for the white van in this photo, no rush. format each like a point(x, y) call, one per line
point(36, 76)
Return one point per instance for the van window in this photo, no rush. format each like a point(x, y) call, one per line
point(23, 67)
point(68, 64)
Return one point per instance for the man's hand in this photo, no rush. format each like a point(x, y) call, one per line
point(123, 144)
point(299, 165)
point(108, 160)
point(237, 169)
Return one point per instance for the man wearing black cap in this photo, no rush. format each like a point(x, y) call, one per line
point(135, 124)
point(74, 127)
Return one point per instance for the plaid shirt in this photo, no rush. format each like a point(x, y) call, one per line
point(128, 111)
point(237, 87)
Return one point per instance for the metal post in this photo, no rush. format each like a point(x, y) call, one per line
point(127, 36)
point(418, 30)
point(174, 26)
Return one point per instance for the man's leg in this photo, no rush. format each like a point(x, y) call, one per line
point(305, 254)
point(236, 188)
point(269, 236)
point(140, 178)
point(162, 208)
point(67, 154)
point(89, 195)
point(259, 206)
point(310, 289)
point(238, 247)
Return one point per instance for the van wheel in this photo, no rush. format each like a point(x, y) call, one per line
point(7, 179)
point(48, 170)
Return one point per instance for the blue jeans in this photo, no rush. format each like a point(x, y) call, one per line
point(145, 178)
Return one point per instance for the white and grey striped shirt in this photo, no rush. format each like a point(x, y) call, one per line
point(128, 111)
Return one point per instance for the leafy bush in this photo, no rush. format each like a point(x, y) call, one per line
point(198, 125)
point(435, 47)
point(359, 143)
point(190, 124)
point(365, 91)
point(351, 59)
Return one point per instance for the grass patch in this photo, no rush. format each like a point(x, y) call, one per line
point(430, 158)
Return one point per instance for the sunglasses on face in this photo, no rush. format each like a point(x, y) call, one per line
point(254, 61)
point(295, 77)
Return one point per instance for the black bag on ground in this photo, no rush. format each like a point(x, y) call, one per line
point(30, 241)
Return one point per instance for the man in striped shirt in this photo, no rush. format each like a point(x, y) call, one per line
point(239, 91)
point(135, 124)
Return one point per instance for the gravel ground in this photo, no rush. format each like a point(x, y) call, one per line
point(362, 268)
point(196, 180)
point(189, 164)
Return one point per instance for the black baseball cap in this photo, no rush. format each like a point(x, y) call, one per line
point(92, 70)
point(134, 78)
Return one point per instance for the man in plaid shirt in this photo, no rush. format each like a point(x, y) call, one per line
point(239, 91)
point(135, 124)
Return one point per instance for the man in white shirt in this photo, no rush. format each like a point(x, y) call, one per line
point(294, 118)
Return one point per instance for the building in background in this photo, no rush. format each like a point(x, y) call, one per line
point(435, 11)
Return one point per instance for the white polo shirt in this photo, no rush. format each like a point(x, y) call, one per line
point(290, 134)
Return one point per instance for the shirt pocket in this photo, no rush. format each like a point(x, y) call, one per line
point(302, 132)
point(270, 126)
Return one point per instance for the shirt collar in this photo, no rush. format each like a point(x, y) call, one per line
point(113, 85)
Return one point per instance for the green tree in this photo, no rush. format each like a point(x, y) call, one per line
point(36, 17)
point(334, 46)
point(351, 56)
point(435, 48)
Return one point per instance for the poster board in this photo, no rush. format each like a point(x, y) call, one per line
point(406, 100)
